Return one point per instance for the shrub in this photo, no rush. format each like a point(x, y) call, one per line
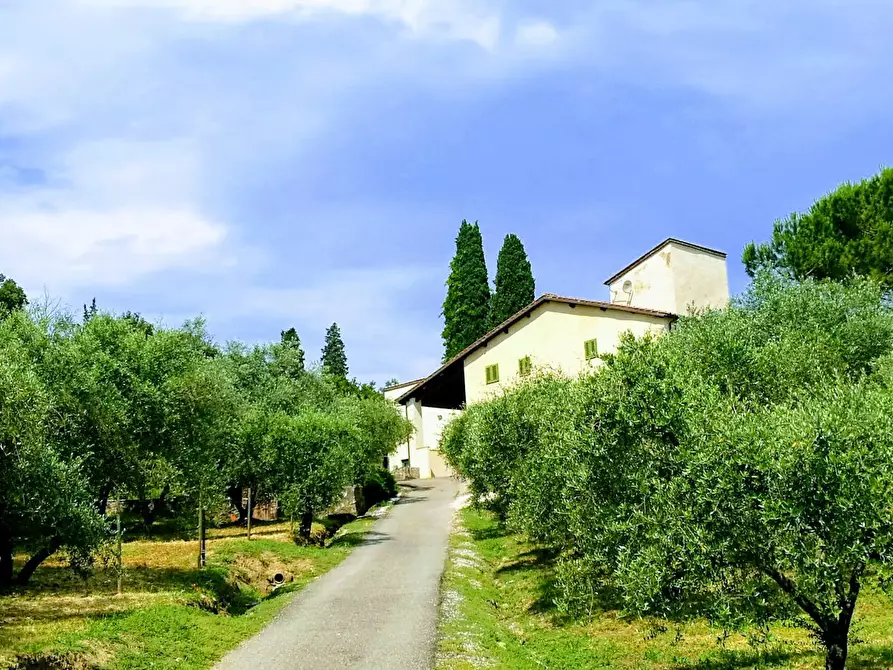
point(378, 487)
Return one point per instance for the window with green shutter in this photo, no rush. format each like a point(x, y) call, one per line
point(591, 349)
point(492, 373)
point(524, 366)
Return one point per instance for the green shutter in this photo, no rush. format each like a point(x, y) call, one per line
point(492, 373)
point(524, 366)
point(591, 349)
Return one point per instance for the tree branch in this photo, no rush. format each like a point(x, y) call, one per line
point(806, 605)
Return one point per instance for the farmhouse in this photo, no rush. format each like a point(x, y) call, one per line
point(559, 333)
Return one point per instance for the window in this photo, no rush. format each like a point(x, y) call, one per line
point(591, 349)
point(524, 366)
point(492, 373)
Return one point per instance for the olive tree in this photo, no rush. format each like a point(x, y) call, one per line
point(738, 468)
point(45, 505)
point(778, 512)
point(310, 456)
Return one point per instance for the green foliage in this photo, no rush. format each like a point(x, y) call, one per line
point(12, 297)
point(288, 355)
point(115, 407)
point(499, 592)
point(738, 468)
point(379, 428)
point(515, 286)
point(378, 487)
point(466, 309)
point(334, 358)
point(848, 231)
point(91, 311)
point(311, 461)
point(44, 503)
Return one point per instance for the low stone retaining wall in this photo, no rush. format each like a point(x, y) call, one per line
point(402, 474)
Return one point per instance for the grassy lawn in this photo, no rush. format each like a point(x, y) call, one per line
point(171, 615)
point(497, 612)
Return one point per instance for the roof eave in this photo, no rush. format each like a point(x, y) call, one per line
point(546, 298)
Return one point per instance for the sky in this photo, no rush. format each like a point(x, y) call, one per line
point(269, 164)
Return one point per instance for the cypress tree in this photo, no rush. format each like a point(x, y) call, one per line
point(515, 287)
point(334, 359)
point(466, 309)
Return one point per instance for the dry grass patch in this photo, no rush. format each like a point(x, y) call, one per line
point(171, 614)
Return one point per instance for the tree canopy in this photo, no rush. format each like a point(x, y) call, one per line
point(515, 286)
point(12, 296)
point(466, 309)
point(289, 353)
point(334, 357)
point(737, 468)
point(113, 406)
point(847, 232)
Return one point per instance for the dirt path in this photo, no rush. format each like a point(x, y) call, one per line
point(378, 609)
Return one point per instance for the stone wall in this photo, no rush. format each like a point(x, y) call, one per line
point(403, 474)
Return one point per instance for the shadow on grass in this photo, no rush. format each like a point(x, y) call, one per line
point(736, 660)
point(870, 658)
point(176, 529)
point(535, 559)
point(489, 532)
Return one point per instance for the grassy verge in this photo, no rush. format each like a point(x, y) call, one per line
point(497, 612)
point(171, 614)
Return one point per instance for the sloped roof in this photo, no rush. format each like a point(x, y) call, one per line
point(542, 300)
point(649, 254)
point(402, 384)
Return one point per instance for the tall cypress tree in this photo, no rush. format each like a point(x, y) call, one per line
point(466, 309)
point(515, 286)
point(334, 358)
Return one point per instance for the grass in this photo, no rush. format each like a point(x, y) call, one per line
point(171, 614)
point(497, 612)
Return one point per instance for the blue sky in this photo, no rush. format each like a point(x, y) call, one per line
point(278, 163)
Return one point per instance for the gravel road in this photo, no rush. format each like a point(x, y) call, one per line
point(376, 610)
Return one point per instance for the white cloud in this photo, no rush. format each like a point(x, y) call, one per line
point(67, 248)
point(110, 213)
point(536, 34)
point(454, 20)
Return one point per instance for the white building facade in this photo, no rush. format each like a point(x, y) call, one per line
point(567, 335)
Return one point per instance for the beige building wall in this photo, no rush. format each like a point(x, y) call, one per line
point(435, 419)
point(421, 450)
point(553, 337)
point(675, 279)
point(651, 284)
point(701, 279)
point(403, 451)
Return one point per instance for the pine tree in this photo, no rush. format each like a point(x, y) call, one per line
point(467, 306)
point(844, 233)
point(334, 359)
point(515, 286)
